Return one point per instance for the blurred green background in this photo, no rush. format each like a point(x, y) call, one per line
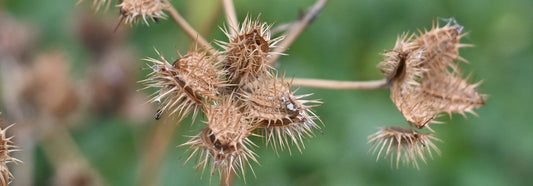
point(343, 43)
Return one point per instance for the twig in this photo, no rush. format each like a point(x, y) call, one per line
point(231, 15)
point(61, 150)
point(156, 152)
point(213, 16)
point(333, 84)
point(297, 28)
point(189, 30)
point(227, 178)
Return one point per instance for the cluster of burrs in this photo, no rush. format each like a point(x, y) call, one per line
point(236, 88)
point(239, 93)
point(425, 81)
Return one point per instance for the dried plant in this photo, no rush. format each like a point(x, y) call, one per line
point(248, 50)
point(425, 82)
point(425, 78)
point(6, 147)
point(242, 95)
point(239, 94)
point(402, 144)
point(184, 85)
point(133, 10)
point(283, 116)
point(48, 89)
point(224, 143)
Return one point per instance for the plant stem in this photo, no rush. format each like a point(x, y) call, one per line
point(334, 84)
point(63, 152)
point(155, 152)
point(231, 15)
point(297, 28)
point(226, 179)
point(189, 30)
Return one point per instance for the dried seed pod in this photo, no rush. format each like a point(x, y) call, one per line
point(131, 10)
point(224, 143)
point(406, 144)
point(185, 84)
point(283, 117)
point(6, 147)
point(248, 51)
point(416, 110)
point(424, 78)
point(439, 47)
point(451, 93)
point(402, 63)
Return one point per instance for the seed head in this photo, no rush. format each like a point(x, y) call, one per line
point(184, 84)
point(406, 144)
point(132, 10)
point(283, 117)
point(6, 147)
point(224, 143)
point(248, 51)
point(450, 92)
point(425, 80)
point(401, 63)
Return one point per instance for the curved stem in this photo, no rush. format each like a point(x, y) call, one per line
point(189, 30)
point(334, 84)
point(231, 15)
point(297, 28)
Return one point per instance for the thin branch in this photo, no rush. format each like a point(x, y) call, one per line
point(61, 150)
point(231, 15)
point(155, 153)
point(213, 17)
point(333, 84)
point(227, 178)
point(189, 30)
point(297, 28)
